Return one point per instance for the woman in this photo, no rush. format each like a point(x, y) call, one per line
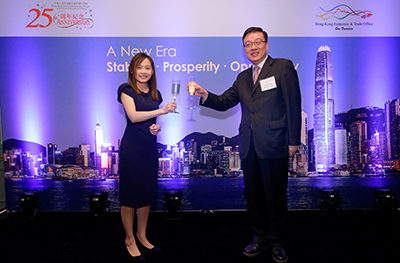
point(138, 150)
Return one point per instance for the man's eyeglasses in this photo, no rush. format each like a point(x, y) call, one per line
point(256, 43)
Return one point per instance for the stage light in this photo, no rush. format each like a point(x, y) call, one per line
point(385, 200)
point(29, 205)
point(99, 202)
point(172, 204)
point(330, 199)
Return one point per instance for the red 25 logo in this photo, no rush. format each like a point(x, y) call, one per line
point(38, 14)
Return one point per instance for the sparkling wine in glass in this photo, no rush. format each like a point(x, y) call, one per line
point(192, 84)
point(176, 87)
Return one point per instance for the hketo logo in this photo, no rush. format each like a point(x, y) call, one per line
point(341, 12)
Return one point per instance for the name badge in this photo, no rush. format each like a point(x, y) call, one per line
point(268, 83)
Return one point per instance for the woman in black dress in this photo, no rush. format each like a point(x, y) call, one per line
point(138, 150)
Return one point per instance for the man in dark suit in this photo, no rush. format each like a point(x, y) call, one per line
point(269, 133)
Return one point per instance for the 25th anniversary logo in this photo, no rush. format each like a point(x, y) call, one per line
point(77, 15)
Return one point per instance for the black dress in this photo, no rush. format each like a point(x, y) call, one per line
point(138, 154)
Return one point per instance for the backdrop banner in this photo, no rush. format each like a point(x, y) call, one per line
point(62, 62)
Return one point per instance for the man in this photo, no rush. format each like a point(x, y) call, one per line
point(269, 133)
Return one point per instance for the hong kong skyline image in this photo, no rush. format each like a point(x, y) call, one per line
point(362, 141)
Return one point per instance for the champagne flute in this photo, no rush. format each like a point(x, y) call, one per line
point(192, 84)
point(176, 86)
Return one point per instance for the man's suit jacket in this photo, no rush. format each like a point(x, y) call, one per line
point(272, 115)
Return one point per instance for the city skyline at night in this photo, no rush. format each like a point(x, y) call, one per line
point(361, 145)
point(362, 140)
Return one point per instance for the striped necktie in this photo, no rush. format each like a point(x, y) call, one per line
point(256, 73)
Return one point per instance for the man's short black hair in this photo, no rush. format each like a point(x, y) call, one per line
point(255, 29)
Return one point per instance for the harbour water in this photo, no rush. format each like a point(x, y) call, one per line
point(200, 193)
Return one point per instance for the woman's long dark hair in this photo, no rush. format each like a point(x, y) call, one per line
point(135, 62)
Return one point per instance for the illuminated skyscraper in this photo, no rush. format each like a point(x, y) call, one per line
point(303, 164)
point(299, 161)
point(85, 152)
point(51, 149)
point(324, 111)
point(238, 162)
point(392, 129)
point(191, 146)
point(374, 148)
point(358, 143)
point(164, 166)
point(304, 128)
point(341, 146)
point(205, 152)
point(98, 142)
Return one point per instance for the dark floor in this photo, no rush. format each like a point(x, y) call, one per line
point(350, 236)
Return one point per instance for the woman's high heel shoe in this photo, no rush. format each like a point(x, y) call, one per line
point(153, 249)
point(139, 258)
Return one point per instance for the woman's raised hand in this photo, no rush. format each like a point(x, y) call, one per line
point(170, 107)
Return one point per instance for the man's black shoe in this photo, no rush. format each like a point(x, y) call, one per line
point(254, 249)
point(279, 254)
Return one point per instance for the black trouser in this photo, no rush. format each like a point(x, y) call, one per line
point(266, 194)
